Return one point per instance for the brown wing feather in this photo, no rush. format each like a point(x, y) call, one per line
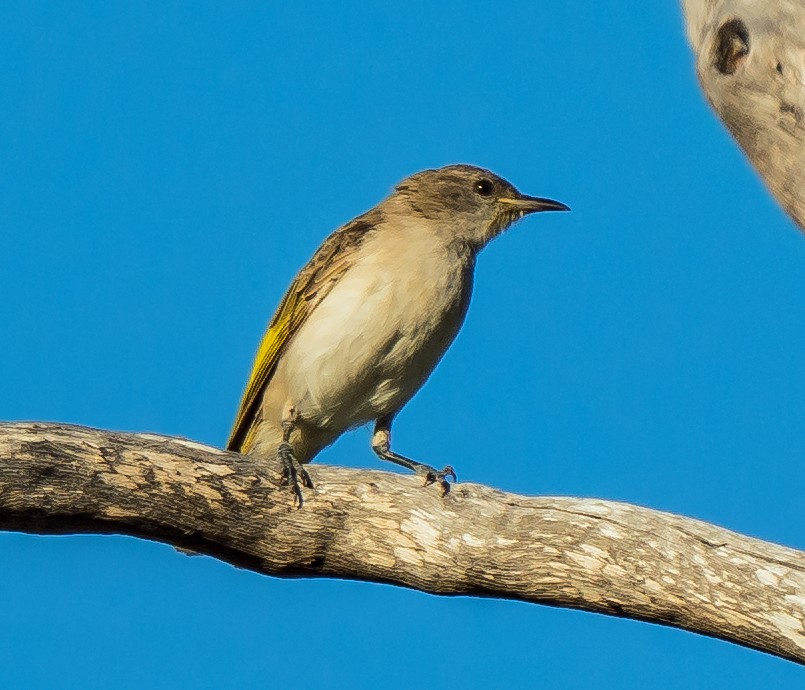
point(310, 286)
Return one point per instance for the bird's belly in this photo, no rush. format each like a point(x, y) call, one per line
point(371, 344)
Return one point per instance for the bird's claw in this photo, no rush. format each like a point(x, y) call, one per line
point(432, 476)
point(293, 473)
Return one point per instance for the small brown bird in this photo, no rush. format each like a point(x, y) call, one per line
point(365, 322)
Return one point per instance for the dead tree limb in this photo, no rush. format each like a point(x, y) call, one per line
point(750, 58)
point(595, 555)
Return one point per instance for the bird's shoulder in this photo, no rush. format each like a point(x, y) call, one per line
point(334, 256)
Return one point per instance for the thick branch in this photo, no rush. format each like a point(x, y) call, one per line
point(750, 57)
point(588, 554)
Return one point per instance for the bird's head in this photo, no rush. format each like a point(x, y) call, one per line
point(473, 204)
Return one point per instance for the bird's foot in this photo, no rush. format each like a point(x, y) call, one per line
point(293, 474)
point(433, 476)
point(380, 445)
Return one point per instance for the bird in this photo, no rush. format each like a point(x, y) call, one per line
point(367, 319)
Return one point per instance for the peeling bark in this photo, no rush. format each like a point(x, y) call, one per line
point(750, 58)
point(595, 555)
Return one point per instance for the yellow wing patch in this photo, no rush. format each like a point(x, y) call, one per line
point(278, 333)
point(309, 287)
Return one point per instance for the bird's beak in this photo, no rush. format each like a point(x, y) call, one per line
point(523, 204)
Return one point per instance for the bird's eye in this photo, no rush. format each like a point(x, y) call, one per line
point(483, 187)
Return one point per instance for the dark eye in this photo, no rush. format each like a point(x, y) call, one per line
point(483, 187)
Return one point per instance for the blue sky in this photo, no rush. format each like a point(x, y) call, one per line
point(167, 169)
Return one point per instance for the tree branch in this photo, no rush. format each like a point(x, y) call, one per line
point(749, 58)
point(599, 556)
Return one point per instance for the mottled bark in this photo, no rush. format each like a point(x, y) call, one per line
point(587, 554)
point(750, 58)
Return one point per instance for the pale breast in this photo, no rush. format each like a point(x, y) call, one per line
point(376, 337)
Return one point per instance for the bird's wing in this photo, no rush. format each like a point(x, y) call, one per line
point(311, 285)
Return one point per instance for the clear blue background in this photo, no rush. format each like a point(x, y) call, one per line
point(166, 169)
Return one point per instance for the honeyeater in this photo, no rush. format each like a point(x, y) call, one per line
point(366, 320)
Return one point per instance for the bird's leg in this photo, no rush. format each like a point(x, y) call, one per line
point(381, 445)
point(292, 470)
